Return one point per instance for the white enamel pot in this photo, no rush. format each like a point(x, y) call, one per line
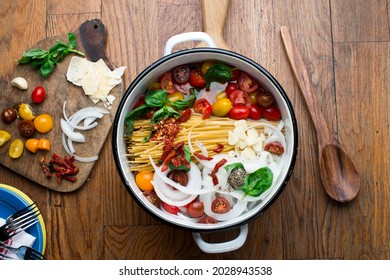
point(191, 56)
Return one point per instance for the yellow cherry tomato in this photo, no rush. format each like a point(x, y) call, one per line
point(206, 66)
point(221, 107)
point(175, 96)
point(144, 180)
point(221, 95)
point(155, 85)
point(4, 137)
point(32, 145)
point(43, 123)
point(16, 148)
point(26, 112)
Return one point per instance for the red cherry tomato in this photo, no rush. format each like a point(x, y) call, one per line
point(207, 220)
point(170, 208)
point(230, 88)
point(220, 205)
point(38, 95)
point(152, 197)
point(255, 112)
point(140, 102)
point(246, 83)
point(239, 97)
point(196, 209)
point(202, 106)
point(181, 74)
point(275, 148)
point(167, 83)
point(239, 112)
point(235, 74)
point(196, 79)
point(272, 113)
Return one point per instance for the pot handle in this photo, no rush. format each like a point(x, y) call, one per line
point(224, 246)
point(189, 36)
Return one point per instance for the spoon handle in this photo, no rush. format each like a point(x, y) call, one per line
point(214, 18)
point(301, 75)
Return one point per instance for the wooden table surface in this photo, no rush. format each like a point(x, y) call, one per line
point(345, 45)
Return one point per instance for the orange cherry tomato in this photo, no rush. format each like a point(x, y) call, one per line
point(44, 144)
point(32, 145)
point(43, 123)
point(144, 180)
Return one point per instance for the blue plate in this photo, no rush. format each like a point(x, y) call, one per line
point(12, 200)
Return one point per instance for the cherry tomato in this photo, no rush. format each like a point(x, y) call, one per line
point(154, 86)
point(264, 99)
point(38, 95)
point(152, 197)
point(181, 74)
point(239, 97)
point(230, 88)
point(220, 205)
point(197, 80)
point(272, 113)
point(252, 96)
point(179, 176)
point(26, 128)
point(196, 209)
point(144, 180)
point(274, 147)
point(32, 145)
point(206, 66)
point(239, 112)
point(185, 115)
point(235, 74)
point(16, 148)
point(246, 83)
point(221, 95)
point(170, 208)
point(167, 83)
point(207, 220)
point(202, 106)
point(26, 112)
point(255, 112)
point(9, 115)
point(4, 137)
point(175, 96)
point(221, 107)
point(43, 123)
point(140, 102)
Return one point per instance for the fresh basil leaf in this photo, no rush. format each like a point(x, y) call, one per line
point(72, 40)
point(137, 112)
point(156, 98)
point(58, 47)
point(129, 127)
point(47, 67)
point(34, 53)
point(24, 60)
point(257, 182)
point(219, 72)
point(233, 166)
point(185, 103)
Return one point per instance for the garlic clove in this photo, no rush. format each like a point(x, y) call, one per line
point(20, 83)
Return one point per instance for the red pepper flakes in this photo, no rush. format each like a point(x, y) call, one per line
point(174, 154)
point(64, 168)
point(165, 130)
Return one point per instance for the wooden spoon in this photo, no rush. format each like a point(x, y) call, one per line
point(214, 18)
point(338, 173)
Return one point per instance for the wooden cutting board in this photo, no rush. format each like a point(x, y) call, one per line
point(91, 39)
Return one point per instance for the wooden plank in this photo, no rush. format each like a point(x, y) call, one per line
point(362, 83)
point(360, 20)
point(55, 7)
point(62, 24)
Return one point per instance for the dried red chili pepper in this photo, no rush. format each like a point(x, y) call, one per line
point(202, 157)
point(215, 170)
point(219, 149)
point(63, 168)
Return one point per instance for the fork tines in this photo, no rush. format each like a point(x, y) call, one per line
point(21, 212)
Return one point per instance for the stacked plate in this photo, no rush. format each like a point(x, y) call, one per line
point(12, 200)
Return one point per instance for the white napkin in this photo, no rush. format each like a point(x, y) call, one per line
point(22, 238)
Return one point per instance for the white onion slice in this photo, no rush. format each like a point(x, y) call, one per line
point(74, 136)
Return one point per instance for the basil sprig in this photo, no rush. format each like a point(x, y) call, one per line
point(47, 60)
point(258, 182)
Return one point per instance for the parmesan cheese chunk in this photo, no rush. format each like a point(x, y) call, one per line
point(96, 79)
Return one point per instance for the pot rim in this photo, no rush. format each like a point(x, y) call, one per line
point(237, 56)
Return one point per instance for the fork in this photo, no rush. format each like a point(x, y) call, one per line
point(25, 252)
point(19, 213)
point(26, 218)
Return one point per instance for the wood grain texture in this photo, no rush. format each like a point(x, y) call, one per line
point(348, 65)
